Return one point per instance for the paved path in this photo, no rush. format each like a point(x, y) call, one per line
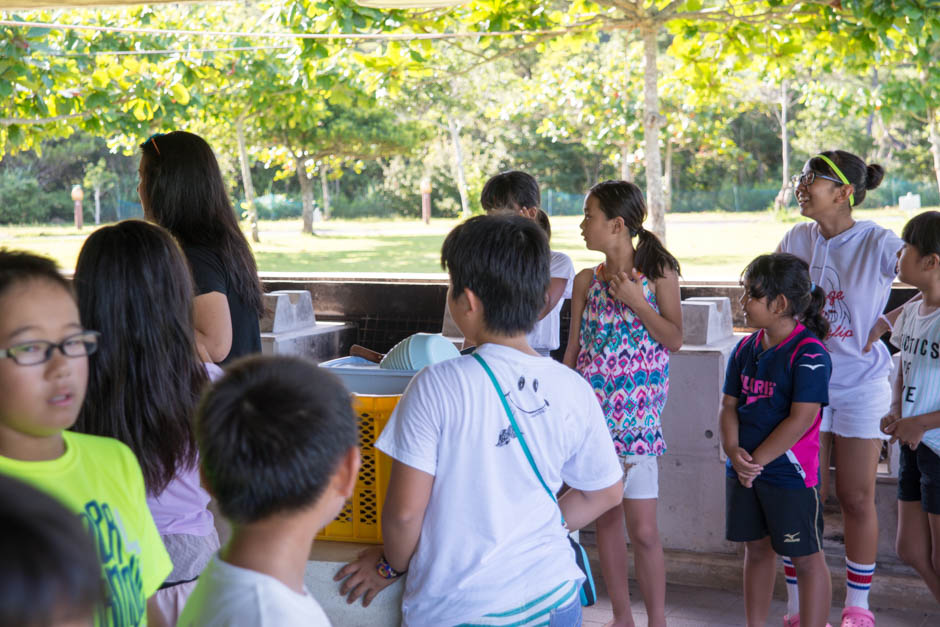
point(687, 606)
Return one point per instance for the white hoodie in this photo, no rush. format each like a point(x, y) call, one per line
point(856, 269)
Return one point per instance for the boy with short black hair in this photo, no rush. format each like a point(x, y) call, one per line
point(511, 191)
point(50, 571)
point(492, 543)
point(517, 192)
point(277, 442)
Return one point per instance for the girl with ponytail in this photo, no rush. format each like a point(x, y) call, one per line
point(776, 384)
point(625, 318)
point(854, 263)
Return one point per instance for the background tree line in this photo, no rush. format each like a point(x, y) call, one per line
point(723, 99)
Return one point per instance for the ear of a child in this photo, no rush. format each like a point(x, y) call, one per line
point(529, 212)
point(343, 481)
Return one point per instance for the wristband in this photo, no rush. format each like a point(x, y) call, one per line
point(887, 322)
point(385, 571)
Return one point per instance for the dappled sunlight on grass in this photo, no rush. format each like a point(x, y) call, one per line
point(712, 245)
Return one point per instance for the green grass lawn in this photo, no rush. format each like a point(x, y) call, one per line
point(710, 246)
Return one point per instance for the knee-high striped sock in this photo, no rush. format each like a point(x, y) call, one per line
point(857, 583)
point(793, 592)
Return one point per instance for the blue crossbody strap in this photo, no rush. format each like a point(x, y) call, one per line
point(515, 427)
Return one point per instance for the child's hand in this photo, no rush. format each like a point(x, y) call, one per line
point(879, 329)
point(744, 465)
point(906, 430)
point(362, 578)
point(628, 288)
point(887, 421)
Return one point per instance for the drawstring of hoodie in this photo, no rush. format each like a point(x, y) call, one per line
point(822, 272)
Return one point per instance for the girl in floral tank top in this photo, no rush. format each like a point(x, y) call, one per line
point(628, 369)
point(625, 318)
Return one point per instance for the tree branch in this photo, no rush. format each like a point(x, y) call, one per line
point(58, 118)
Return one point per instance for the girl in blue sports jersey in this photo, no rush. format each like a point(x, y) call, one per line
point(776, 384)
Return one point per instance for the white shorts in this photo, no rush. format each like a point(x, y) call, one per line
point(641, 480)
point(857, 412)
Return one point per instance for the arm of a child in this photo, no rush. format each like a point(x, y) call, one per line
point(664, 326)
point(894, 412)
point(409, 491)
point(406, 501)
point(741, 460)
point(911, 430)
point(881, 327)
point(787, 433)
point(580, 507)
point(213, 322)
point(578, 301)
point(908, 430)
point(556, 288)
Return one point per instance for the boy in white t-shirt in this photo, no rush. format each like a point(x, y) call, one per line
point(277, 444)
point(465, 514)
point(914, 418)
point(545, 336)
point(517, 192)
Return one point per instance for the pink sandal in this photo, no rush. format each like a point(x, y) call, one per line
point(853, 616)
point(794, 621)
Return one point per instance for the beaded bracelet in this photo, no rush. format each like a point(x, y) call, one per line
point(386, 571)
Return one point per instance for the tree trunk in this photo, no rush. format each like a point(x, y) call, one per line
point(933, 133)
point(246, 180)
point(783, 197)
point(306, 194)
point(626, 172)
point(325, 189)
point(458, 166)
point(97, 205)
point(651, 124)
point(667, 176)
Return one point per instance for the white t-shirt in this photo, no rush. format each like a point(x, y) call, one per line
point(855, 268)
point(545, 335)
point(918, 338)
point(492, 537)
point(230, 596)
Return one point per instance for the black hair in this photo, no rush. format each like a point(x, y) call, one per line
point(185, 194)
point(17, 266)
point(783, 274)
point(621, 199)
point(542, 219)
point(862, 177)
point(505, 261)
point(923, 232)
point(271, 433)
point(145, 380)
point(50, 569)
point(510, 191)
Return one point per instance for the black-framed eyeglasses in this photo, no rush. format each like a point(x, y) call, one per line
point(806, 179)
point(40, 351)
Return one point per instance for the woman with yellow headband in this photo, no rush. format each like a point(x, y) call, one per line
point(854, 262)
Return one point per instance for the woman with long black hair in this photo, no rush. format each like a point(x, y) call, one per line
point(182, 190)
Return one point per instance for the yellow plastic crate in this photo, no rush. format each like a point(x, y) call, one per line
point(361, 518)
